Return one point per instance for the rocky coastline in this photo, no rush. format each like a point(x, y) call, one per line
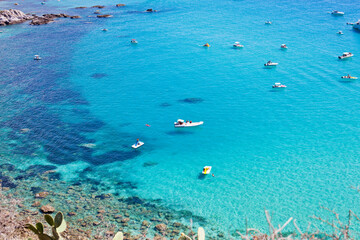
point(91, 212)
point(13, 16)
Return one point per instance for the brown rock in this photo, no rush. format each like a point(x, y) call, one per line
point(75, 17)
point(109, 233)
point(96, 223)
point(177, 224)
point(80, 7)
point(41, 194)
point(120, 5)
point(98, 6)
point(117, 216)
point(161, 227)
point(47, 209)
point(36, 204)
point(101, 211)
point(72, 213)
point(125, 220)
point(105, 16)
point(145, 223)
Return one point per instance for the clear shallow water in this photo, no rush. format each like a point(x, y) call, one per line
point(287, 151)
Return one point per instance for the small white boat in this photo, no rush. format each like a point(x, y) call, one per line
point(182, 124)
point(270, 64)
point(268, 22)
point(349, 77)
point(340, 33)
point(104, 30)
point(206, 170)
point(37, 57)
point(278, 85)
point(337, 13)
point(346, 55)
point(137, 144)
point(133, 41)
point(283, 46)
point(237, 45)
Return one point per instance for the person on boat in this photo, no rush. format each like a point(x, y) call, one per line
point(206, 45)
point(213, 175)
point(190, 121)
point(137, 142)
point(348, 76)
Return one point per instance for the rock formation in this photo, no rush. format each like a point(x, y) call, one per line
point(13, 16)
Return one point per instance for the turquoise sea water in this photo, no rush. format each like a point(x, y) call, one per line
point(287, 151)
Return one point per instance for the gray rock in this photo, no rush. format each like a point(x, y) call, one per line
point(13, 16)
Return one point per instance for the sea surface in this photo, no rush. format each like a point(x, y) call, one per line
point(288, 151)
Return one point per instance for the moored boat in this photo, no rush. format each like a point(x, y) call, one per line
point(133, 41)
point(182, 124)
point(237, 45)
point(37, 57)
point(206, 170)
point(337, 13)
point(278, 85)
point(349, 77)
point(346, 55)
point(270, 64)
point(283, 46)
point(268, 23)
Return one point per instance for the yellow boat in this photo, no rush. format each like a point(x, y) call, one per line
point(206, 170)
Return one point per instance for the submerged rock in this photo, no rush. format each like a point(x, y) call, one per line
point(120, 5)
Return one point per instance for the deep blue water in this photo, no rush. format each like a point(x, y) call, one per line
point(288, 151)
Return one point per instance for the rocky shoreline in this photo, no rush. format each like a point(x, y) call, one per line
point(13, 16)
point(90, 212)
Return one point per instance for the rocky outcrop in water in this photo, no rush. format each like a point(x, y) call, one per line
point(13, 16)
point(104, 16)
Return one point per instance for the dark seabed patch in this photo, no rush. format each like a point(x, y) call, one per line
point(7, 181)
point(99, 75)
point(150, 164)
point(191, 100)
point(179, 132)
point(165, 104)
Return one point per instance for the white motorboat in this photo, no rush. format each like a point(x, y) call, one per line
point(337, 13)
point(237, 45)
point(137, 144)
point(270, 64)
point(268, 22)
point(133, 41)
point(37, 57)
point(206, 170)
point(349, 77)
point(283, 46)
point(182, 124)
point(278, 85)
point(340, 33)
point(346, 55)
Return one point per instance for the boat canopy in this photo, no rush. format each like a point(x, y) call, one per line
point(277, 83)
point(346, 53)
point(180, 120)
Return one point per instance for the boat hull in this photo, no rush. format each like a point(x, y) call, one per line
point(185, 125)
point(138, 145)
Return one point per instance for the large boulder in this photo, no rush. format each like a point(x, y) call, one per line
point(47, 209)
point(13, 16)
